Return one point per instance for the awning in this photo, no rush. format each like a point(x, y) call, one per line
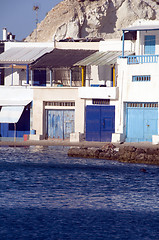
point(142, 28)
point(102, 58)
point(61, 58)
point(13, 102)
point(23, 55)
point(11, 114)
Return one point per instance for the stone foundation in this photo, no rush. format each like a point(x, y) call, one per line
point(129, 154)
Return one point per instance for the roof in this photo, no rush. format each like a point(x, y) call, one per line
point(102, 58)
point(61, 58)
point(14, 102)
point(142, 28)
point(23, 55)
point(81, 40)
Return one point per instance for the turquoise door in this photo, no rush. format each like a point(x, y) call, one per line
point(59, 123)
point(141, 121)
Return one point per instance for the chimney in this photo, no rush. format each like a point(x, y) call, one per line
point(4, 34)
point(11, 37)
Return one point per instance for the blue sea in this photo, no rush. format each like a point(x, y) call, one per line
point(46, 195)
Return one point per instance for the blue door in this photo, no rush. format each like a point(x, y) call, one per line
point(107, 123)
point(68, 124)
point(100, 123)
point(142, 121)
point(60, 123)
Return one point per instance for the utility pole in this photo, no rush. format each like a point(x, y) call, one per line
point(36, 8)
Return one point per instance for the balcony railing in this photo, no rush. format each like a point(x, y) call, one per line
point(136, 59)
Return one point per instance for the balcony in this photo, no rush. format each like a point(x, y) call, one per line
point(136, 59)
point(98, 92)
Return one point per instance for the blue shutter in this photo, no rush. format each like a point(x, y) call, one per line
point(150, 41)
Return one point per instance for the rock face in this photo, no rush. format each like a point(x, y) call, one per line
point(92, 18)
point(128, 154)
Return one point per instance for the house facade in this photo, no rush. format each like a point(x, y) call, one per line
point(98, 91)
point(49, 90)
point(66, 92)
point(137, 109)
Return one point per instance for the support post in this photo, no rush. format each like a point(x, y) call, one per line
point(12, 76)
point(82, 76)
point(50, 77)
point(27, 74)
point(114, 80)
point(70, 77)
point(14, 132)
point(31, 77)
point(123, 45)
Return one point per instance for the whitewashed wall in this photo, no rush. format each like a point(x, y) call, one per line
point(28, 44)
point(134, 91)
point(115, 45)
point(42, 94)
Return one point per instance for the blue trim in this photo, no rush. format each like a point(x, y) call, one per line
point(95, 85)
point(27, 73)
point(136, 59)
point(141, 78)
point(123, 45)
point(138, 28)
point(12, 76)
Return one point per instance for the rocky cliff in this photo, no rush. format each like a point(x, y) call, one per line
point(92, 18)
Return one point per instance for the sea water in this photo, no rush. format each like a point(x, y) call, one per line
point(46, 195)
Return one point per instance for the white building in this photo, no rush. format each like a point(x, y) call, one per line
point(136, 118)
point(42, 91)
point(98, 91)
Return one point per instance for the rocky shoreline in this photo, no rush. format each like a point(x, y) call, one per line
point(128, 154)
point(144, 153)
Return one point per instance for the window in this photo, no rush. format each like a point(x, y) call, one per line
point(101, 101)
point(141, 78)
point(150, 42)
point(142, 105)
point(39, 78)
point(60, 104)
